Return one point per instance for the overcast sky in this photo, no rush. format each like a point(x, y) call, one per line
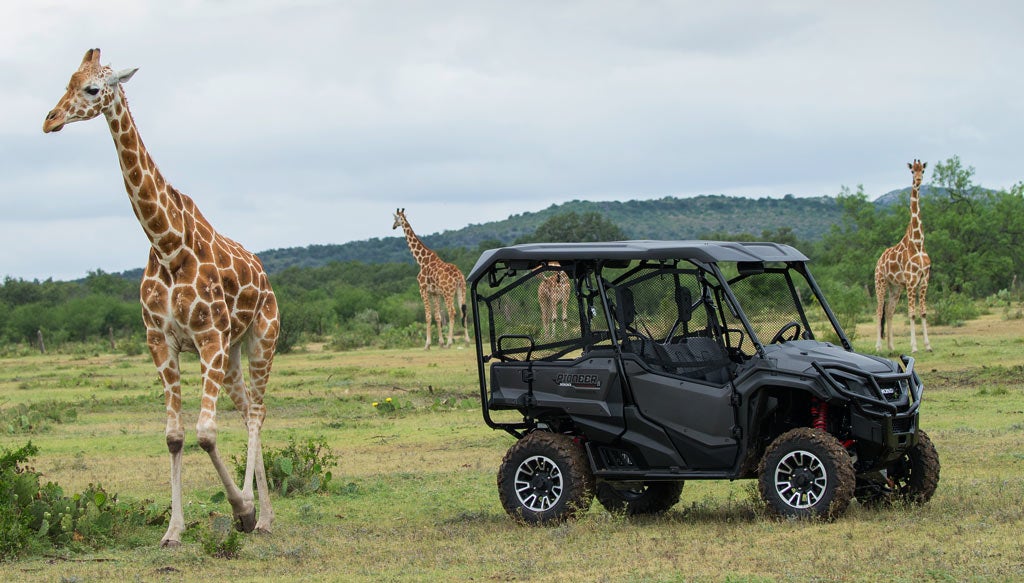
point(297, 122)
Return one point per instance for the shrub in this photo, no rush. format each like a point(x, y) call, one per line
point(295, 468)
point(34, 517)
point(36, 417)
point(952, 309)
point(220, 539)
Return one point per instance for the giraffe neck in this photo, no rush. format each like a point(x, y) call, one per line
point(159, 207)
point(420, 252)
point(915, 234)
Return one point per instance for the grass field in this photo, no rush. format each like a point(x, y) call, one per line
point(413, 495)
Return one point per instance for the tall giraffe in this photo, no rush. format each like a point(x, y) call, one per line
point(201, 292)
point(437, 280)
point(905, 265)
point(552, 292)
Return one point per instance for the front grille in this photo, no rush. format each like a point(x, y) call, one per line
point(903, 425)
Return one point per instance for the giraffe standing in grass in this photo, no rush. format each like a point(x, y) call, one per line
point(201, 292)
point(905, 265)
point(439, 281)
point(553, 292)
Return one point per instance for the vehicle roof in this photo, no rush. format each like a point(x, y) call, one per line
point(704, 251)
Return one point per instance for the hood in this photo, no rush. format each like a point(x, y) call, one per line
point(799, 355)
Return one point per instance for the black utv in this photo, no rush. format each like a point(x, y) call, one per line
point(625, 368)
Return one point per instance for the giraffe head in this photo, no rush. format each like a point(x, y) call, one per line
point(399, 218)
point(92, 90)
point(917, 168)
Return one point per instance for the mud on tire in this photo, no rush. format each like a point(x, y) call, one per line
point(916, 476)
point(806, 473)
point(544, 478)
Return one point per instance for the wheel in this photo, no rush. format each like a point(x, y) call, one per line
point(545, 479)
point(646, 498)
point(916, 476)
point(911, 479)
point(806, 473)
point(780, 335)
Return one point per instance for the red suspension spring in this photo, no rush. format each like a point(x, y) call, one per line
point(819, 414)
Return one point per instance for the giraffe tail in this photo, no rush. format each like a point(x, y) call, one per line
point(463, 315)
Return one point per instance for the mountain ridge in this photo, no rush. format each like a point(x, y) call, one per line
point(663, 218)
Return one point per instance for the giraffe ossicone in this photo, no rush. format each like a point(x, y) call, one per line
point(905, 265)
point(438, 281)
point(201, 292)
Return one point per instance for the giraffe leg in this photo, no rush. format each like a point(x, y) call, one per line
point(923, 307)
point(440, 321)
point(213, 362)
point(544, 317)
point(912, 316)
point(426, 312)
point(880, 294)
point(166, 362)
point(895, 291)
point(450, 301)
point(261, 357)
point(565, 308)
point(461, 296)
point(234, 382)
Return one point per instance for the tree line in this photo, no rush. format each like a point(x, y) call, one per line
point(975, 238)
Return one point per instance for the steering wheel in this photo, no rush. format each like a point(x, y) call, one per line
point(780, 335)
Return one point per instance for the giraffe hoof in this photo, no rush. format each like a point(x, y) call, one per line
point(169, 544)
point(246, 522)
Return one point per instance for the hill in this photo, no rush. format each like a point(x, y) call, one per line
point(902, 195)
point(664, 218)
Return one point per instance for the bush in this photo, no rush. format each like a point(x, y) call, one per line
point(295, 469)
point(36, 417)
point(952, 309)
point(36, 517)
point(220, 539)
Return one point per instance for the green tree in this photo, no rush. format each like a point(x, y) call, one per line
point(25, 320)
point(573, 227)
point(955, 178)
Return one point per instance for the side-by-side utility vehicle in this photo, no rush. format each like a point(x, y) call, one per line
point(624, 369)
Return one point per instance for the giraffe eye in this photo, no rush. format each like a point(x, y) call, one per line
point(92, 90)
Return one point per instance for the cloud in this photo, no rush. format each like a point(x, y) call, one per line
point(294, 123)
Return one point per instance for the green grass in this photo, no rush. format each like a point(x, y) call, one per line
point(413, 496)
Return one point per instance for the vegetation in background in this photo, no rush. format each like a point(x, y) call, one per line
point(975, 238)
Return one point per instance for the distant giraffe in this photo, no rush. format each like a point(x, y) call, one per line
point(438, 281)
point(553, 292)
point(201, 292)
point(905, 265)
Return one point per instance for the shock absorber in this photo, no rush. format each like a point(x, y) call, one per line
point(819, 414)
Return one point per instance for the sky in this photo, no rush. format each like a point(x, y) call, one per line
point(299, 122)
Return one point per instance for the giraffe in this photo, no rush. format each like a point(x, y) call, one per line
point(553, 292)
point(437, 280)
point(905, 265)
point(201, 292)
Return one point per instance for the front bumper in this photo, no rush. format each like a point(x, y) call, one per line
point(884, 407)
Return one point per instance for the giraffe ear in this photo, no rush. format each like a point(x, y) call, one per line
point(121, 76)
point(909, 165)
point(924, 165)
